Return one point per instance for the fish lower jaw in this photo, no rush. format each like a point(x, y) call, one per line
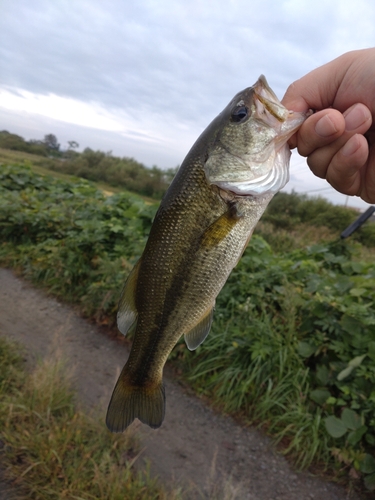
point(267, 185)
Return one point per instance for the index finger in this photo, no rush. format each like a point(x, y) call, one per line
point(318, 89)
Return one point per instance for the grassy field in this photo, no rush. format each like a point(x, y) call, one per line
point(8, 155)
point(42, 166)
point(292, 346)
point(52, 451)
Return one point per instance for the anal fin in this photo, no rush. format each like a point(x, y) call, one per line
point(196, 336)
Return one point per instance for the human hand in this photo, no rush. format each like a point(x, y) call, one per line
point(339, 139)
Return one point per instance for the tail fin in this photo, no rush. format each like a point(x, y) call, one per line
point(130, 402)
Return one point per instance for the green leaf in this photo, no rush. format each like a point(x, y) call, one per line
point(322, 374)
point(335, 427)
point(368, 464)
point(320, 396)
point(351, 419)
point(306, 350)
point(357, 360)
point(351, 325)
point(331, 400)
point(357, 292)
point(370, 482)
point(343, 284)
point(357, 267)
point(354, 437)
point(353, 363)
point(345, 372)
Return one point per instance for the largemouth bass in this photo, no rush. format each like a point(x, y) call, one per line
point(200, 231)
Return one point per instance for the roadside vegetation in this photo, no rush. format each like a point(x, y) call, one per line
point(51, 451)
point(125, 173)
point(292, 347)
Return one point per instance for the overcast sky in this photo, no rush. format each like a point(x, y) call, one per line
point(143, 78)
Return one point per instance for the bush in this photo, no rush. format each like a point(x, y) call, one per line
point(288, 210)
point(70, 237)
point(293, 346)
point(119, 172)
point(17, 143)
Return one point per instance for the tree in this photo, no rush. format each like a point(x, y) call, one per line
point(73, 144)
point(50, 141)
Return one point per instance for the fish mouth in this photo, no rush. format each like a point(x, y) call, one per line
point(270, 110)
point(266, 99)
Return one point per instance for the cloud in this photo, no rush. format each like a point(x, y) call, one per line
point(154, 73)
point(149, 52)
point(68, 110)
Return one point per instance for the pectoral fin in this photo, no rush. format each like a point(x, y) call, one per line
point(219, 229)
point(197, 335)
point(127, 311)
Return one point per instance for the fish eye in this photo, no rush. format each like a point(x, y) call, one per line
point(239, 114)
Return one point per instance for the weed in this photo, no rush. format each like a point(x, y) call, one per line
point(51, 451)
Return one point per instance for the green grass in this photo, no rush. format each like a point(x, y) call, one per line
point(51, 451)
point(10, 156)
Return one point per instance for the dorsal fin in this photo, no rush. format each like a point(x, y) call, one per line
point(197, 334)
point(127, 312)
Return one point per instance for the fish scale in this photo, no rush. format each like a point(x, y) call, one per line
point(200, 231)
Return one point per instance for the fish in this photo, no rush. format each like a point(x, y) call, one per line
point(202, 227)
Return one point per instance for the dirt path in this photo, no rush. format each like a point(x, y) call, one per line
point(195, 446)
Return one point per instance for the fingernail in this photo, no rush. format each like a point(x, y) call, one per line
point(351, 146)
point(325, 127)
point(355, 117)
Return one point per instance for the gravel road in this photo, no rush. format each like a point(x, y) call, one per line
point(195, 447)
